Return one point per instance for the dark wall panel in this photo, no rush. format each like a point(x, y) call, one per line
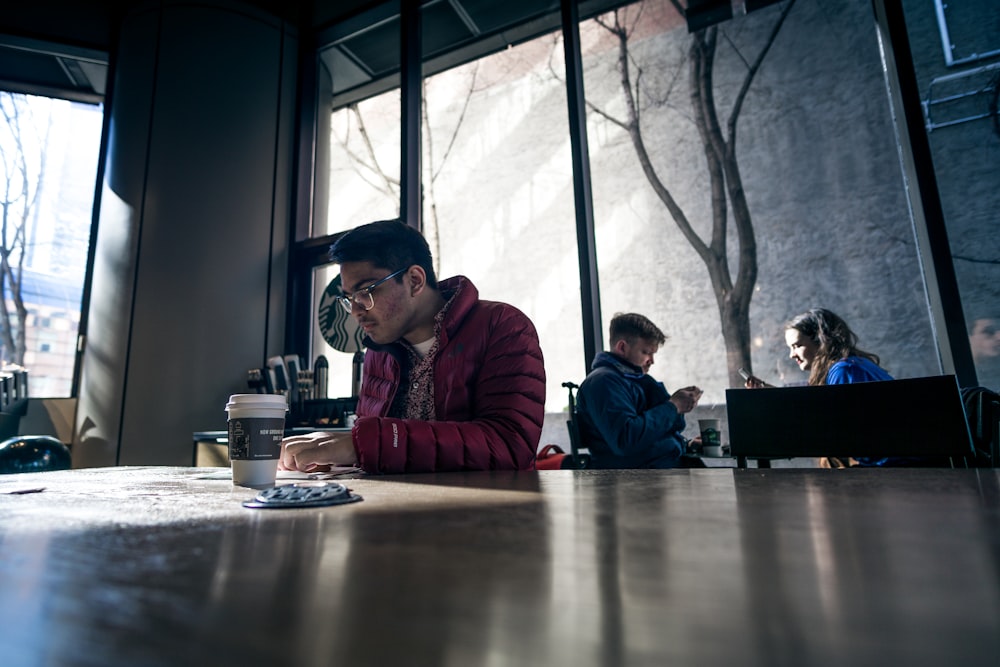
point(208, 225)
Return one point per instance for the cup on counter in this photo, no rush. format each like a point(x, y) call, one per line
point(256, 427)
point(711, 437)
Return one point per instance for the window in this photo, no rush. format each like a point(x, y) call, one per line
point(49, 168)
point(364, 163)
point(494, 133)
point(364, 187)
point(959, 90)
point(821, 191)
point(498, 192)
point(817, 213)
point(358, 171)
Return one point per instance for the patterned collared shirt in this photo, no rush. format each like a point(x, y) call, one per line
point(415, 400)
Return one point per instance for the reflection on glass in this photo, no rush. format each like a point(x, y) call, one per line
point(745, 173)
point(984, 339)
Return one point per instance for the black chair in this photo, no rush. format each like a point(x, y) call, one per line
point(580, 460)
point(982, 409)
point(919, 417)
point(33, 453)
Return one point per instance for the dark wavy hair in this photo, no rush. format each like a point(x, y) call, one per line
point(388, 244)
point(630, 326)
point(834, 338)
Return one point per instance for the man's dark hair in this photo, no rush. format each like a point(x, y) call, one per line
point(631, 326)
point(388, 244)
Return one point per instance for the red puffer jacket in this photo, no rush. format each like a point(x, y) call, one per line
point(489, 394)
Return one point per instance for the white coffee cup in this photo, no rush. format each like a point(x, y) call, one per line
point(712, 451)
point(711, 436)
point(256, 427)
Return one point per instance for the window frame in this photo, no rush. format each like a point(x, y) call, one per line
point(945, 304)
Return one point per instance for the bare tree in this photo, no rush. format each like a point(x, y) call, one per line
point(433, 165)
point(366, 165)
point(724, 179)
point(22, 158)
point(370, 170)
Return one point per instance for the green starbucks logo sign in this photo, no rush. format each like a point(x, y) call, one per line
point(339, 329)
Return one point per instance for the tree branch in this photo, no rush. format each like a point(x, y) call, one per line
point(635, 133)
point(458, 125)
point(751, 73)
point(363, 131)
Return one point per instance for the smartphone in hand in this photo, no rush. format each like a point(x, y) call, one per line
point(751, 381)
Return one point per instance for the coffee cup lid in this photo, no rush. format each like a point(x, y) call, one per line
point(257, 401)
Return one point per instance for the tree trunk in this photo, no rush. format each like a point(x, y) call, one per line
point(725, 181)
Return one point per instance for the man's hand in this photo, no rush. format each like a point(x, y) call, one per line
point(317, 451)
point(685, 399)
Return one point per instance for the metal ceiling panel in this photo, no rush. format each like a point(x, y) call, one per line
point(443, 29)
point(492, 16)
point(39, 68)
point(454, 32)
point(377, 49)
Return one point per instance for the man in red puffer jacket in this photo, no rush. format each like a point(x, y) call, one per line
point(451, 382)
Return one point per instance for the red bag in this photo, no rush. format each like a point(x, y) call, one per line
point(552, 457)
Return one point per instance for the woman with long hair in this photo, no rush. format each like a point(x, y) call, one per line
point(819, 341)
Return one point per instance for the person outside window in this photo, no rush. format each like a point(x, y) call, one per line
point(451, 381)
point(984, 341)
point(627, 419)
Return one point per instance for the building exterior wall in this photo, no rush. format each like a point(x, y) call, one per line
point(965, 148)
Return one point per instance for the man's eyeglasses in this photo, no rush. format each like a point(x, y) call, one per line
point(363, 297)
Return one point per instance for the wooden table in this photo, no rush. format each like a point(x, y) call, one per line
point(155, 566)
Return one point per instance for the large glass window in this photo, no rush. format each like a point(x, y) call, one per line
point(364, 187)
point(358, 158)
point(48, 165)
point(364, 163)
point(498, 192)
point(956, 58)
point(743, 174)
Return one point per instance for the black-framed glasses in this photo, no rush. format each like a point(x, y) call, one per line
point(363, 297)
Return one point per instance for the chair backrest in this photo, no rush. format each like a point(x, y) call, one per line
point(982, 408)
point(580, 460)
point(919, 417)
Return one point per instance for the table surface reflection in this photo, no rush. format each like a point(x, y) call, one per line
point(159, 566)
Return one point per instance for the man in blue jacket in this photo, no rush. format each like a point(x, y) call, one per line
point(628, 419)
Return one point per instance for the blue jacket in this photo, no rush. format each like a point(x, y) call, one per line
point(626, 418)
point(855, 369)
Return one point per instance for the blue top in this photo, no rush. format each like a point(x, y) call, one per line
point(626, 418)
point(853, 370)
